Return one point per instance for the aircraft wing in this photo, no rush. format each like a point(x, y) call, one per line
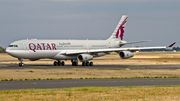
point(115, 49)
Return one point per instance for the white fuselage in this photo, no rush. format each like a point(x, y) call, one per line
point(56, 49)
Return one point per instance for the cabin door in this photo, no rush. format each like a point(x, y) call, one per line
point(25, 46)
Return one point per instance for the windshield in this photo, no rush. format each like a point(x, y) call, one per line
point(13, 46)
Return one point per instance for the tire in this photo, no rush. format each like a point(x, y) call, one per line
point(76, 63)
point(21, 64)
point(62, 63)
point(91, 63)
point(55, 63)
point(59, 63)
point(87, 63)
point(73, 64)
point(83, 64)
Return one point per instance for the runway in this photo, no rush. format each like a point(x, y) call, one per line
point(43, 66)
point(54, 84)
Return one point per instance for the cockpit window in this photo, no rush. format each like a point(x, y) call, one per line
point(10, 46)
point(13, 46)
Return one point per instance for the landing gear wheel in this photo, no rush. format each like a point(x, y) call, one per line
point(72, 63)
point(83, 64)
point(75, 63)
point(21, 64)
point(55, 63)
point(91, 63)
point(62, 63)
point(87, 63)
point(59, 63)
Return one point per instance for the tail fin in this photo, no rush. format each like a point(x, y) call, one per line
point(119, 31)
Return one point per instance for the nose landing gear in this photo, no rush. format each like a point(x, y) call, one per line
point(21, 64)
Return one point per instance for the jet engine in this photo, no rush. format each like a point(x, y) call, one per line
point(84, 57)
point(125, 54)
point(33, 59)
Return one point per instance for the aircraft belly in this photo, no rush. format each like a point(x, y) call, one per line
point(65, 57)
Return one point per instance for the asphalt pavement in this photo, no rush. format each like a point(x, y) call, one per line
point(55, 84)
point(44, 66)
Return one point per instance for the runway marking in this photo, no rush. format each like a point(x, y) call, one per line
point(136, 67)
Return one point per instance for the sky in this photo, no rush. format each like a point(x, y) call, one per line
point(155, 20)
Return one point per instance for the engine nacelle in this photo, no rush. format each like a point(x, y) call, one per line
point(125, 54)
point(33, 59)
point(84, 57)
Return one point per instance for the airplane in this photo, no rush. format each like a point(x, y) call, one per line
point(75, 50)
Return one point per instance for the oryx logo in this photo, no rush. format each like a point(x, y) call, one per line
point(121, 30)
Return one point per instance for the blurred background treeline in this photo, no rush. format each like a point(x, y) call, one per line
point(2, 50)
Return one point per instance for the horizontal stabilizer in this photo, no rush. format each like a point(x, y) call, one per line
point(134, 42)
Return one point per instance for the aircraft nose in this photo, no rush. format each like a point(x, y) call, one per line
point(7, 50)
point(10, 52)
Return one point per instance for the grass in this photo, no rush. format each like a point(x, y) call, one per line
point(27, 79)
point(83, 73)
point(66, 74)
point(130, 93)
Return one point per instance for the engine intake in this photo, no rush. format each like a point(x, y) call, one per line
point(125, 54)
point(84, 57)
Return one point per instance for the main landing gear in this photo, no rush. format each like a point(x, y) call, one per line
point(87, 63)
point(59, 63)
point(21, 64)
point(74, 63)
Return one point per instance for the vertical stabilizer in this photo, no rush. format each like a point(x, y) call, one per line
point(118, 33)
